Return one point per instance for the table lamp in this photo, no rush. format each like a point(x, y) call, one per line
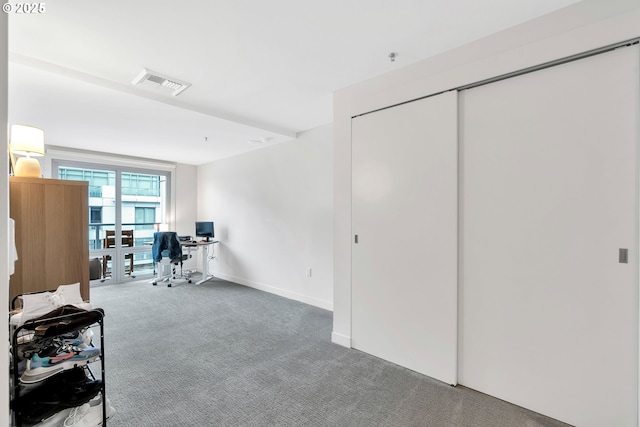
point(27, 141)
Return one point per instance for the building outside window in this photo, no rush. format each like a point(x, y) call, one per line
point(130, 200)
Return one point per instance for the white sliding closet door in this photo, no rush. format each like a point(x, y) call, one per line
point(549, 314)
point(404, 277)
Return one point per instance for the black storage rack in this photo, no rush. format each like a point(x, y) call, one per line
point(27, 399)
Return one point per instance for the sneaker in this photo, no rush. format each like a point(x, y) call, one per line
point(67, 390)
point(56, 349)
point(41, 368)
point(81, 338)
point(55, 420)
point(89, 414)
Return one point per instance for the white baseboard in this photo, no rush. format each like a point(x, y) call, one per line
point(327, 305)
point(340, 339)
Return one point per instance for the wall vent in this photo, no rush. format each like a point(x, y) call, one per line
point(160, 80)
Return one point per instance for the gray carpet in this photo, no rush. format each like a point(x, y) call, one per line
point(221, 354)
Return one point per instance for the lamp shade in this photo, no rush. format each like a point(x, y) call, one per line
point(27, 140)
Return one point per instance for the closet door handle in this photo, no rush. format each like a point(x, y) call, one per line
point(355, 239)
point(623, 256)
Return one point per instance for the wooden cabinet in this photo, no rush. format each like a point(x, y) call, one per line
point(51, 229)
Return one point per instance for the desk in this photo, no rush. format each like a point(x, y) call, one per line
point(205, 257)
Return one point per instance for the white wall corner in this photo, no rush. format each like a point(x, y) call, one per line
point(327, 305)
point(342, 215)
point(273, 214)
point(340, 339)
point(184, 191)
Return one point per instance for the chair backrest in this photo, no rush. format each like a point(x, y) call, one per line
point(166, 245)
point(110, 238)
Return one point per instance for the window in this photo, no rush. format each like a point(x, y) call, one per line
point(97, 178)
point(134, 184)
point(124, 200)
point(95, 214)
point(145, 215)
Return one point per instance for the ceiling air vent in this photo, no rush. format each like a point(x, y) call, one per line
point(159, 80)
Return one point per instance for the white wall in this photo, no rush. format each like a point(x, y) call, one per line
point(587, 25)
point(186, 186)
point(4, 215)
point(272, 210)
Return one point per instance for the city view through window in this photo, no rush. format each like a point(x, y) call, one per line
point(139, 210)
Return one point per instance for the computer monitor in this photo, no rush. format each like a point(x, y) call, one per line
point(205, 229)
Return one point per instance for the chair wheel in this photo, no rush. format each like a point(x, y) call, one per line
point(169, 285)
point(154, 283)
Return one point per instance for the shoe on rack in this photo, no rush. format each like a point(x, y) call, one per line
point(55, 420)
point(89, 414)
point(80, 338)
point(56, 349)
point(67, 390)
point(41, 368)
point(83, 340)
point(75, 318)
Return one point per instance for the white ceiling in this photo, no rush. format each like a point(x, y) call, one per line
point(260, 70)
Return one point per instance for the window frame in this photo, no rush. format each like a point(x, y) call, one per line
point(167, 213)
